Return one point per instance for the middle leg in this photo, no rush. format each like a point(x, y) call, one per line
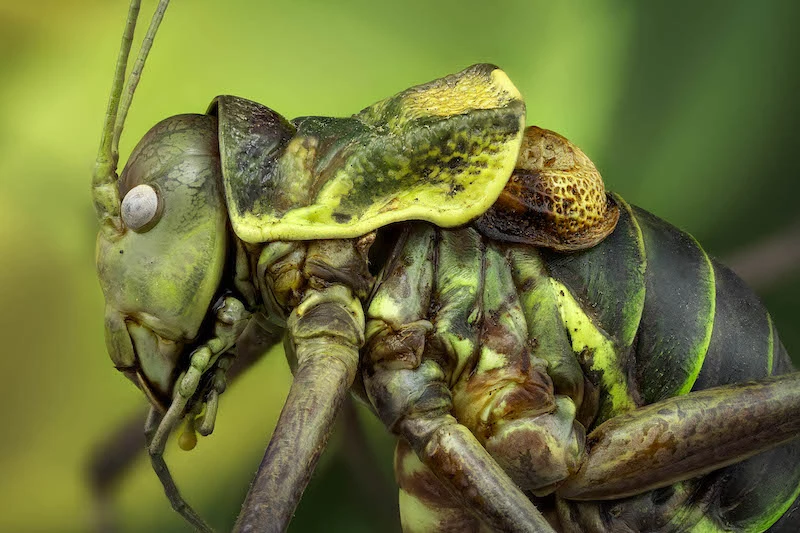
point(409, 384)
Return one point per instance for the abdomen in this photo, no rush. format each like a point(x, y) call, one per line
point(682, 322)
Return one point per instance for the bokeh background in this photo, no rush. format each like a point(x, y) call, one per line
point(689, 110)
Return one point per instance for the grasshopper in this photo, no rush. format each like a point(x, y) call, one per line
point(550, 357)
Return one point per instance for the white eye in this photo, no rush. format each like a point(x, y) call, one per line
point(140, 208)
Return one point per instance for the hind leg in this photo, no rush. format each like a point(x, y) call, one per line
point(686, 436)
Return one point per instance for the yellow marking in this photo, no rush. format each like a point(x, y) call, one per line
point(462, 348)
point(416, 516)
point(504, 83)
point(470, 92)
point(490, 360)
point(707, 525)
point(604, 358)
point(297, 162)
point(410, 464)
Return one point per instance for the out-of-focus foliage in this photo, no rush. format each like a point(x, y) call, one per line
point(689, 109)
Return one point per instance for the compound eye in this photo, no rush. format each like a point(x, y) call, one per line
point(141, 208)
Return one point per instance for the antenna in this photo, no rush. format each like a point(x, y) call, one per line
point(136, 74)
point(104, 179)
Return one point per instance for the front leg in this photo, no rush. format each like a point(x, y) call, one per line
point(409, 390)
point(111, 458)
point(231, 319)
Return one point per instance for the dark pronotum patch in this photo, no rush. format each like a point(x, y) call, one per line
point(252, 138)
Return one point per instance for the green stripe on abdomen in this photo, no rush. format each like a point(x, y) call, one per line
point(598, 353)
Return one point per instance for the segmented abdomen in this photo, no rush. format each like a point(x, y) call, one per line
point(681, 321)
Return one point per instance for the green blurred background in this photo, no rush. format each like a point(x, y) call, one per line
point(689, 110)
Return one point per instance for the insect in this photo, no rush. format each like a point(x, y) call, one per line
point(472, 281)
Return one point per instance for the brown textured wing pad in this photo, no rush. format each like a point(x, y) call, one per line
point(554, 199)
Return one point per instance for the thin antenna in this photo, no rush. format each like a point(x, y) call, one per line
point(136, 73)
point(104, 187)
point(104, 181)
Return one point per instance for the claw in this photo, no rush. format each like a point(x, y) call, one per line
point(210, 416)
